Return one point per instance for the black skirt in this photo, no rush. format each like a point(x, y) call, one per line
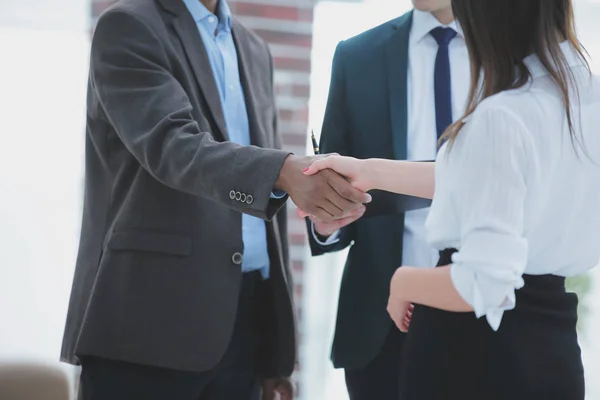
point(534, 355)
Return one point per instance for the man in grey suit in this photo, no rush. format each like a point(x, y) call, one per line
point(181, 289)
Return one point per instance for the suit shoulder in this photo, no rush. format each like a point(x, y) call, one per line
point(255, 40)
point(142, 10)
point(376, 36)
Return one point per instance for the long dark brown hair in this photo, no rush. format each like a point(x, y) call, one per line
point(500, 34)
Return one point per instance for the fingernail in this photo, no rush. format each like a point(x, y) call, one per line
point(369, 199)
point(305, 170)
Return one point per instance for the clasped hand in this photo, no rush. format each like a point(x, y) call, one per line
point(319, 190)
point(353, 169)
point(354, 173)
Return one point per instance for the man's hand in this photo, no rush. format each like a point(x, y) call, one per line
point(277, 389)
point(325, 195)
point(329, 228)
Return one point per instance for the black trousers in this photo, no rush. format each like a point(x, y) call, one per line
point(379, 379)
point(533, 355)
point(234, 378)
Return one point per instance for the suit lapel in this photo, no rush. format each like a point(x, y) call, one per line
point(397, 63)
point(187, 30)
point(249, 77)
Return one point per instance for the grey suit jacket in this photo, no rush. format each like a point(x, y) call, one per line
point(159, 264)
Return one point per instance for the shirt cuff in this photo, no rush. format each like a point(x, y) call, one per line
point(471, 286)
point(334, 238)
point(278, 194)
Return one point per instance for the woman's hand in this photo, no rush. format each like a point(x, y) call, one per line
point(399, 309)
point(352, 168)
point(277, 389)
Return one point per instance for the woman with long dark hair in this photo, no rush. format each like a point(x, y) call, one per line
point(516, 209)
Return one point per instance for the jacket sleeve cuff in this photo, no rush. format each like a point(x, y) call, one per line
point(333, 239)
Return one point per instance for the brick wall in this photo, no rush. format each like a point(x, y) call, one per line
point(287, 26)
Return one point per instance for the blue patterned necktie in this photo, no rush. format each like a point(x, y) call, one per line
point(442, 81)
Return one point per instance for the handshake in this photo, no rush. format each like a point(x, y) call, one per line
point(329, 189)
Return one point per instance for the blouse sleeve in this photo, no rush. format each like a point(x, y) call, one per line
point(489, 163)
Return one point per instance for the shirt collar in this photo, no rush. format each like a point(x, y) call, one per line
point(537, 69)
point(200, 13)
point(424, 22)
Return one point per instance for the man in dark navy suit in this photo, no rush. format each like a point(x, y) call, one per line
point(394, 90)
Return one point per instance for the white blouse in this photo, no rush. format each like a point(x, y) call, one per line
point(514, 197)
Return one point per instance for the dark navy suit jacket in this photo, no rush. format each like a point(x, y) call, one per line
point(366, 117)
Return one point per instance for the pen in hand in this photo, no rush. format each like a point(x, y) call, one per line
point(314, 143)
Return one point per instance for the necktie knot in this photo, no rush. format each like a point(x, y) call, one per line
point(443, 36)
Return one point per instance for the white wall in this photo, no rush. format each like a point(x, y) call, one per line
point(70, 15)
point(43, 72)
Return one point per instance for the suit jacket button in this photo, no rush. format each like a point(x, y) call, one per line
point(249, 199)
point(232, 195)
point(238, 196)
point(237, 258)
point(243, 198)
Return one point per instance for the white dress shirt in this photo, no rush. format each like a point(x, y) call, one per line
point(422, 136)
point(513, 196)
point(422, 132)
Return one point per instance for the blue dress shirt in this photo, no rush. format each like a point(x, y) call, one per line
point(215, 31)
